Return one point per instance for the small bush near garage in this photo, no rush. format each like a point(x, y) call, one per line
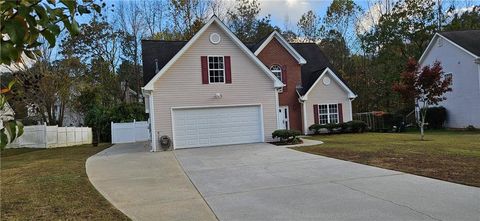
point(286, 136)
point(436, 117)
point(355, 126)
point(471, 128)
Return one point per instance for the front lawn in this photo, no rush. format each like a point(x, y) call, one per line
point(447, 155)
point(51, 184)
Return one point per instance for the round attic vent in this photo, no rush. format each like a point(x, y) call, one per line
point(215, 38)
point(326, 80)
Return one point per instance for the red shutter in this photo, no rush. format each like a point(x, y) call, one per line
point(284, 77)
point(340, 113)
point(228, 70)
point(315, 113)
point(204, 70)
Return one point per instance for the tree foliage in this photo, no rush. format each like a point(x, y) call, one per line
point(245, 23)
point(424, 85)
point(25, 21)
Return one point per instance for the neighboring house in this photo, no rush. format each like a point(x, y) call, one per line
point(216, 90)
point(129, 94)
point(459, 54)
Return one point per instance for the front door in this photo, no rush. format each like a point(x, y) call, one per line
point(283, 117)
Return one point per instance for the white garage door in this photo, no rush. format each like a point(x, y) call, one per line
point(202, 127)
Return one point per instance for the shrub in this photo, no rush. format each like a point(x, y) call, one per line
point(436, 117)
point(289, 136)
point(470, 128)
point(315, 128)
point(357, 126)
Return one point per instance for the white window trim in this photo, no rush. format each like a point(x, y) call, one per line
point(328, 113)
point(281, 71)
point(208, 69)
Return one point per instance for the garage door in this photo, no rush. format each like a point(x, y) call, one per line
point(200, 127)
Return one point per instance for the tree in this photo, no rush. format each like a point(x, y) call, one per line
point(340, 17)
point(468, 20)
point(188, 16)
point(25, 21)
point(401, 33)
point(22, 24)
point(426, 86)
point(10, 128)
point(245, 24)
point(153, 14)
point(308, 27)
point(47, 88)
point(97, 40)
point(132, 28)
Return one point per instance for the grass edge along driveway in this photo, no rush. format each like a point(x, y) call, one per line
point(51, 184)
point(452, 156)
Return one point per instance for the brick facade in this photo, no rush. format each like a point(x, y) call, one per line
point(275, 54)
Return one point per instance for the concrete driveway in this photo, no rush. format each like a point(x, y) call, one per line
point(146, 186)
point(265, 182)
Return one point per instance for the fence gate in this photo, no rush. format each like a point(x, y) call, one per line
point(130, 132)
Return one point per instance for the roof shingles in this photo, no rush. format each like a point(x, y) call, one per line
point(469, 40)
point(163, 51)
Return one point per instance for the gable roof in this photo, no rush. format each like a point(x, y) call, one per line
point(264, 42)
point(161, 52)
point(213, 19)
point(339, 81)
point(317, 63)
point(467, 41)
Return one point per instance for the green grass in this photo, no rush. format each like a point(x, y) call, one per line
point(448, 155)
point(51, 184)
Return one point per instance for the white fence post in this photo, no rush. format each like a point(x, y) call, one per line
point(134, 134)
point(112, 132)
point(45, 134)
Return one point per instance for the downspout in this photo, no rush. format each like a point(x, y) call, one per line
point(151, 113)
point(277, 107)
point(302, 100)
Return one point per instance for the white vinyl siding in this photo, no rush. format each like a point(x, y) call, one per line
point(331, 94)
point(463, 102)
point(181, 85)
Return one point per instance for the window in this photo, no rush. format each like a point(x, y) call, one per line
point(277, 71)
point(216, 69)
point(449, 76)
point(328, 113)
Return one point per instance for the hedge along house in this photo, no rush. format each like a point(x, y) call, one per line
point(216, 90)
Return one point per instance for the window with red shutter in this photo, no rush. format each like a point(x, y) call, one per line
point(340, 113)
point(315, 113)
point(204, 69)
point(228, 70)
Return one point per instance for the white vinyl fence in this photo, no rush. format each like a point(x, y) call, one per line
point(130, 132)
point(43, 136)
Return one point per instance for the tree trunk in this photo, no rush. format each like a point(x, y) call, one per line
point(422, 135)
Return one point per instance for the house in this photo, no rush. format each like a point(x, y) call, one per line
point(459, 54)
point(216, 90)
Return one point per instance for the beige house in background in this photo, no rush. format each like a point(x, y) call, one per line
point(214, 90)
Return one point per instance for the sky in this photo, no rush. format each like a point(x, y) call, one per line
point(286, 13)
